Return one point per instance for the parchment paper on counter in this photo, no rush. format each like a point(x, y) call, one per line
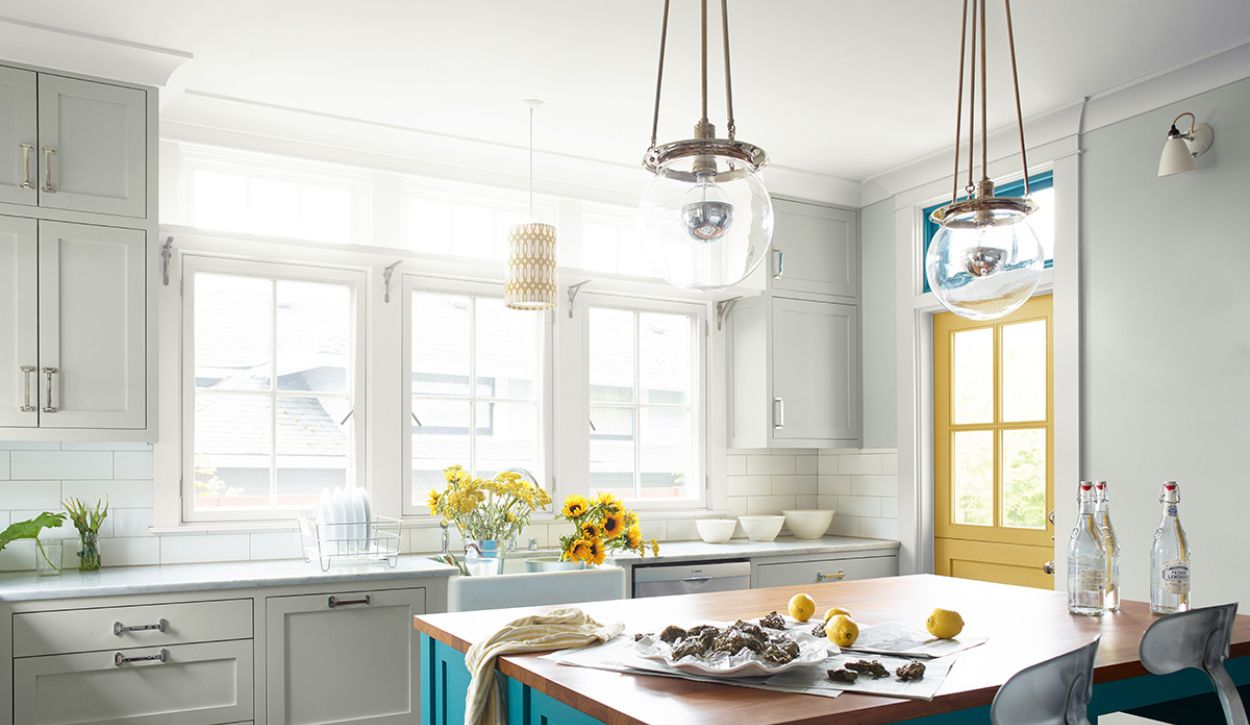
point(925, 688)
point(895, 638)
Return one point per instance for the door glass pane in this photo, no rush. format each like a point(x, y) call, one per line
point(1024, 371)
point(972, 399)
point(664, 352)
point(440, 343)
point(1024, 478)
point(611, 355)
point(507, 437)
point(233, 442)
point(507, 351)
point(667, 442)
point(233, 332)
point(972, 474)
point(314, 336)
point(313, 447)
point(612, 451)
point(440, 438)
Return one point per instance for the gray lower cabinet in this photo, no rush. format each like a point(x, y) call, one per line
point(816, 570)
point(346, 657)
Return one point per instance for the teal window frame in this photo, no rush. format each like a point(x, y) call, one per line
point(1037, 182)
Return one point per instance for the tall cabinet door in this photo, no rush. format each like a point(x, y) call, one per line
point(92, 323)
point(19, 157)
point(19, 323)
point(92, 146)
point(347, 657)
point(815, 370)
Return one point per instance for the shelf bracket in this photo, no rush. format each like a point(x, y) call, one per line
point(167, 255)
point(722, 309)
point(386, 279)
point(573, 290)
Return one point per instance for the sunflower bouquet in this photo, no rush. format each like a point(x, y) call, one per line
point(482, 509)
point(599, 526)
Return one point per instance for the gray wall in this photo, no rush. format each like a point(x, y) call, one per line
point(879, 344)
point(1165, 359)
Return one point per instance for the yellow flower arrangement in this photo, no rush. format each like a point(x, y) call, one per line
point(599, 526)
point(482, 509)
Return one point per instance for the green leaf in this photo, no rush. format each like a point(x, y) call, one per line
point(30, 529)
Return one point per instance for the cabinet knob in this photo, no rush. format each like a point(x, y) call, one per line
point(1049, 567)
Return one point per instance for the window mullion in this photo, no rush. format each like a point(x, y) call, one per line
point(637, 405)
point(273, 393)
point(473, 385)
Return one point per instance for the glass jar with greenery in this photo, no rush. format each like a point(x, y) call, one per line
point(88, 521)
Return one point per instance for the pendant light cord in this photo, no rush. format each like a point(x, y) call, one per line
point(1015, 82)
point(703, 58)
point(729, 88)
point(985, 86)
point(532, 163)
point(959, 100)
point(972, 99)
point(659, 76)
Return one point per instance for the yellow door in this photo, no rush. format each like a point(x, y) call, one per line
point(993, 446)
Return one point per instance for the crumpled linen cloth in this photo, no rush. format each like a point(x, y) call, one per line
point(562, 628)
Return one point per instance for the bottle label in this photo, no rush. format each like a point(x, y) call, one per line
point(1090, 579)
point(1175, 577)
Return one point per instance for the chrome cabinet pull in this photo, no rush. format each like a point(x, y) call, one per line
point(779, 263)
point(120, 659)
point(779, 413)
point(47, 170)
point(26, 149)
point(336, 602)
point(837, 576)
point(696, 579)
point(26, 406)
point(48, 407)
point(119, 629)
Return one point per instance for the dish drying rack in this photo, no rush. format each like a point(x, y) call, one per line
point(375, 540)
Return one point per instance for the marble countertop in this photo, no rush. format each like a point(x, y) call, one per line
point(26, 586)
point(677, 551)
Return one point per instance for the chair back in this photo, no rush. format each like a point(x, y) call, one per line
point(1054, 692)
point(471, 593)
point(1198, 638)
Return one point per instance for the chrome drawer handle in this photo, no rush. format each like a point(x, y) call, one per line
point(779, 263)
point(26, 149)
point(26, 406)
point(119, 629)
point(47, 170)
point(696, 579)
point(779, 413)
point(48, 407)
point(336, 602)
point(837, 576)
point(120, 659)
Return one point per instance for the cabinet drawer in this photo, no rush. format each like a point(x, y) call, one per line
point(88, 630)
point(197, 684)
point(790, 573)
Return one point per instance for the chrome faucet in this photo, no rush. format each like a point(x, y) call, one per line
point(446, 537)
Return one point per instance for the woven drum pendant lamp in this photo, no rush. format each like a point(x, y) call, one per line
point(529, 281)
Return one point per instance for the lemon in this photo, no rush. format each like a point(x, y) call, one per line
point(842, 630)
point(802, 607)
point(829, 613)
point(945, 624)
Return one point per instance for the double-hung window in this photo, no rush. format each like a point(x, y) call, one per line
point(273, 387)
point(644, 365)
point(476, 384)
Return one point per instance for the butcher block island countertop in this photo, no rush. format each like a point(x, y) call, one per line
point(1024, 626)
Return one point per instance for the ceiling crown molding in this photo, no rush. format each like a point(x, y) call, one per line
point(93, 55)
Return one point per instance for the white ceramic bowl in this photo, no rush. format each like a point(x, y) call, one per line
point(762, 528)
point(808, 523)
point(716, 531)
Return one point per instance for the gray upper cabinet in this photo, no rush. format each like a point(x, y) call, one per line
point(815, 249)
point(18, 137)
point(92, 147)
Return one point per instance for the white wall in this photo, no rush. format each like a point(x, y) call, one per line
point(1165, 363)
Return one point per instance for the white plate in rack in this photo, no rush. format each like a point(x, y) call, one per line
point(813, 650)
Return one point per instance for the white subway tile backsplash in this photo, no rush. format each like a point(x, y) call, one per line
point(769, 504)
point(770, 464)
point(130, 522)
point(106, 446)
point(119, 494)
point(30, 495)
point(749, 485)
point(879, 528)
point(807, 501)
point(889, 464)
point(845, 526)
point(795, 484)
point(827, 465)
point(4, 465)
point(28, 446)
point(18, 556)
point(834, 485)
point(859, 505)
point(874, 486)
point(276, 545)
point(807, 465)
point(682, 530)
point(859, 464)
point(61, 465)
point(735, 465)
point(889, 507)
point(129, 551)
point(192, 548)
point(129, 465)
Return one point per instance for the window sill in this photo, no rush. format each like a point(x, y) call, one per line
point(429, 522)
point(226, 527)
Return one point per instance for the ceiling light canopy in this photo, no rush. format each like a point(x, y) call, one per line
point(706, 219)
point(1180, 150)
point(985, 261)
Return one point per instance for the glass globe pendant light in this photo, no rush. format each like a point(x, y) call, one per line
point(985, 260)
point(706, 220)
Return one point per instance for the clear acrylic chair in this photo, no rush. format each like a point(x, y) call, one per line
point(1054, 692)
point(1198, 638)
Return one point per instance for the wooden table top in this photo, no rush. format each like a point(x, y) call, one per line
point(1024, 626)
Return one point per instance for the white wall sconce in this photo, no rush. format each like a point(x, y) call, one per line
point(1180, 149)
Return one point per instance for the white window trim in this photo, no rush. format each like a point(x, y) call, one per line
point(354, 279)
point(575, 410)
point(415, 283)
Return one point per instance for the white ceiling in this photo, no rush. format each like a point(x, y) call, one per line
point(846, 88)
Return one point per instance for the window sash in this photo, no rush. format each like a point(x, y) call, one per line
point(195, 264)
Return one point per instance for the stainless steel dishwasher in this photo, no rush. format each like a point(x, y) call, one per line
point(691, 578)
